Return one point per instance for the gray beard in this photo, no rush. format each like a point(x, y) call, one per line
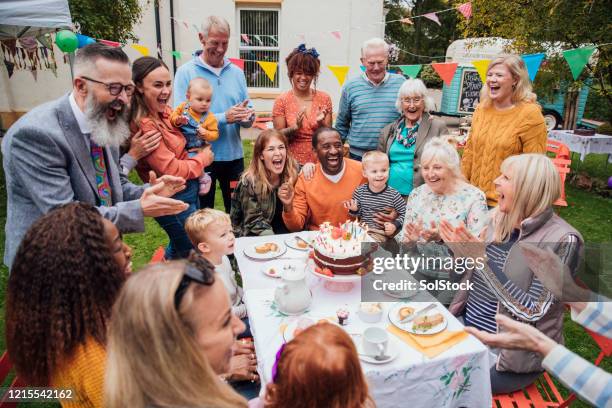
point(106, 133)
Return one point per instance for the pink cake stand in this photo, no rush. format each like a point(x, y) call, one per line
point(336, 283)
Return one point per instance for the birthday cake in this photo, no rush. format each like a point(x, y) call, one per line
point(338, 250)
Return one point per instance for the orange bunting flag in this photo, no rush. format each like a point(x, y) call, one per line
point(445, 70)
point(482, 66)
point(269, 68)
point(237, 62)
point(340, 72)
point(245, 38)
point(141, 49)
point(406, 20)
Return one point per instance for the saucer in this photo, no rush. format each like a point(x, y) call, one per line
point(393, 349)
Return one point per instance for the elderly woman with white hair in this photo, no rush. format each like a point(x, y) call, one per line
point(504, 283)
point(444, 196)
point(404, 138)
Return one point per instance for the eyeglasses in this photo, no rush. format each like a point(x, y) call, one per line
point(114, 88)
point(197, 269)
point(414, 101)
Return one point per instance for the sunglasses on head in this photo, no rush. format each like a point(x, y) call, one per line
point(198, 270)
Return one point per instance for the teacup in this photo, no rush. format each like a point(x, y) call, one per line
point(375, 341)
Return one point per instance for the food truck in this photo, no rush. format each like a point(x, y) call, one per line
point(462, 96)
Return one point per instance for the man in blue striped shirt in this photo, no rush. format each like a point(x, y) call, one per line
point(367, 103)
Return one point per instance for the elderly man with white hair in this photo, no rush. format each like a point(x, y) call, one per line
point(403, 139)
point(230, 104)
point(367, 101)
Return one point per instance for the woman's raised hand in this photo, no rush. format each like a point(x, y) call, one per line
point(431, 234)
point(299, 119)
point(285, 195)
point(412, 231)
point(321, 116)
point(461, 241)
point(308, 170)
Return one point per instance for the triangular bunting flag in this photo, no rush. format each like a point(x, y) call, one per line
point(411, 70)
point(245, 38)
point(532, 63)
point(45, 40)
point(177, 54)
point(482, 66)
point(406, 20)
point(362, 68)
point(340, 72)
point(269, 68)
point(237, 62)
point(34, 74)
point(465, 9)
point(84, 40)
point(336, 34)
point(185, 24)
point(141, 49)
point(110, 43)
point(577, 59)
point(445, 70)
point(196, 28)
point(433, 17)
point(258, 38)
point(10, 67)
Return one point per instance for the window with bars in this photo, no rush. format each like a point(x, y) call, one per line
point(259, 42)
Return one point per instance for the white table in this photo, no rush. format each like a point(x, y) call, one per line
point(584, 144)
point(411, 380)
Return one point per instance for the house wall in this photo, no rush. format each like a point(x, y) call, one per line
point(357, 20)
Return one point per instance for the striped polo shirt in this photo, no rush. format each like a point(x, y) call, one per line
point(365, 109)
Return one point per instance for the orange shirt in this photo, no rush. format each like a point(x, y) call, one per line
point(320, 199)
point(83, 373)
point(170, 157)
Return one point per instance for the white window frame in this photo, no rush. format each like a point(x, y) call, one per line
point(260, 48)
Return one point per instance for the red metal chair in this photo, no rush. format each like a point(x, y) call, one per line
point(262, 122)
point(5, 369)
point(543, 393)
point(562, 162)
point(158, 255)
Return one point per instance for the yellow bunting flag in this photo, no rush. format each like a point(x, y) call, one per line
point(482, 66)
point(339, 72)
point(141, 49)
point(269, 68)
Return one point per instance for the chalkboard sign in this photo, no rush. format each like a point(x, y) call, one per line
point(470, 91)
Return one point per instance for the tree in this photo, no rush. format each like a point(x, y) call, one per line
point(550, 26)
point(420, 42)
point(107, 19)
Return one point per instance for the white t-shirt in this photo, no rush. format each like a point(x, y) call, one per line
point(216, 70)
point(335, 178)
point(226, 273)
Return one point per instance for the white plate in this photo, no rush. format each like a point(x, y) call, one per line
point(393, 349)
point(288, 333)
point(401, 294)
point(293, 243)
point(394, 318)
point(253, 254)
point(336, 278)
point(277, 265)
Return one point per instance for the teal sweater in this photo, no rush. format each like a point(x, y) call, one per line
point(365, 109)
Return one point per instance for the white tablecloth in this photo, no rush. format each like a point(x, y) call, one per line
point(459, 377)
point(584, 144)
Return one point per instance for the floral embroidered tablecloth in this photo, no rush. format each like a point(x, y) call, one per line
point(458, 377)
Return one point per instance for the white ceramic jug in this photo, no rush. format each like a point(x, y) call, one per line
point(292, 296)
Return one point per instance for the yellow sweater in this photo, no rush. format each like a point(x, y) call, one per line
point(84, 374)
point(496, 135)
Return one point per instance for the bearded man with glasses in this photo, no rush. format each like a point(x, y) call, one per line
point(68, 150)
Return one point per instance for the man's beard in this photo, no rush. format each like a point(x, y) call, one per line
point(105, 132)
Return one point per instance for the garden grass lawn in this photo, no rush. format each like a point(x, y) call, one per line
point(587, 212)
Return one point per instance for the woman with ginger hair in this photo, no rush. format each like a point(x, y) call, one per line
point(508, 121)
point(318, 368)
point(171, 338)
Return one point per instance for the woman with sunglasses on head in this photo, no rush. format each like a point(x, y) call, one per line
point(300, 111)
point(150, 111)
point(403, 140)
point(65, 278)
point(171, 338)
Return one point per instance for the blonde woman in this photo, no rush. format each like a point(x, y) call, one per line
point(256, 208)
point(403, 139)
point(526, 189)
point(507, 121)
point(170, 338)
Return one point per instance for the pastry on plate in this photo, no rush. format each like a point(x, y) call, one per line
point(427, 322)
point(404, 312)
point(265, 248)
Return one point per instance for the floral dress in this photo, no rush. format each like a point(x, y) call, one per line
point(288, 106)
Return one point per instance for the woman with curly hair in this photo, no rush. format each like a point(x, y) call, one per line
point(256, 208)
point(171, 338)
point(66, 275)
point(303, 109)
